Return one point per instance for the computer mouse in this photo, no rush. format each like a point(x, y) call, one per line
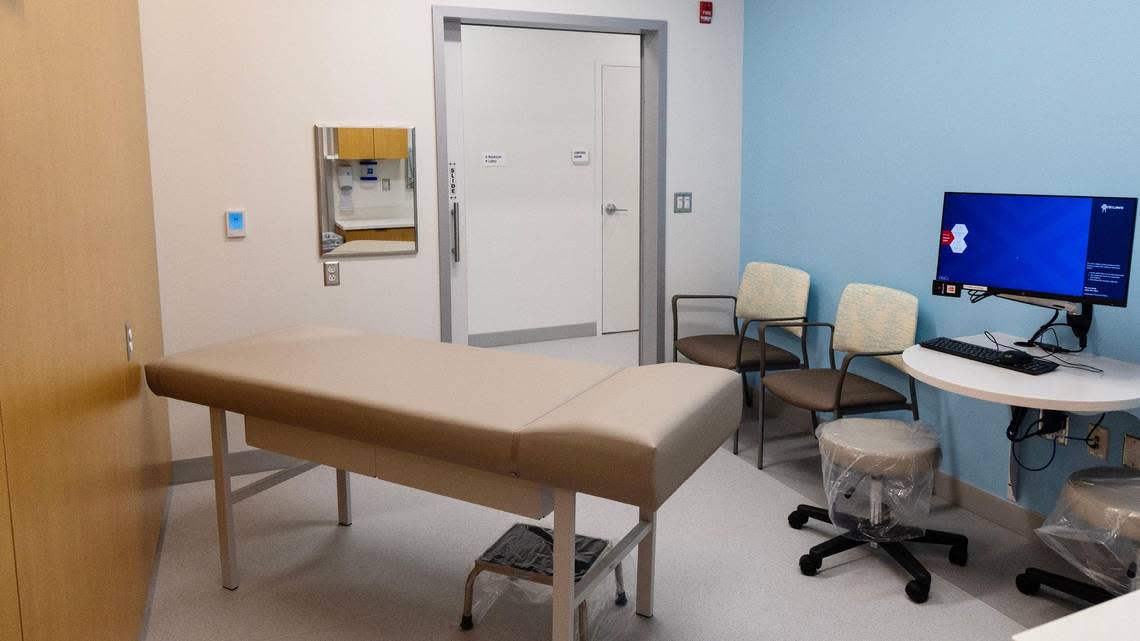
point(1015, 357)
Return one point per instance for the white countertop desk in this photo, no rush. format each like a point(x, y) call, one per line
point(1064, 389)
point(1114, 620)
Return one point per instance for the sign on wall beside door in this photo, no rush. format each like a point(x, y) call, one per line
point(494, 159)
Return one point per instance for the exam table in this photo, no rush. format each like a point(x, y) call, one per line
point(516, 432)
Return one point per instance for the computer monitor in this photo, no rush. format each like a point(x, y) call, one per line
point(1067, 248)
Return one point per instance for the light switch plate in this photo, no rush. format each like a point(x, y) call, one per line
point(332, 273)
point(1132, 451)
point(1100, 437)
point(682, 202)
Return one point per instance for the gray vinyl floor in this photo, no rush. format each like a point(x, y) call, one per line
point(726, 563)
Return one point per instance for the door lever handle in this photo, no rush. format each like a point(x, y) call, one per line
point(455, 231)
point(611, 209)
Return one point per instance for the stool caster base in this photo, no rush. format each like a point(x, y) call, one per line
point(810, 564)
point(917, 591)
point(959, 554)
point(1030, 582)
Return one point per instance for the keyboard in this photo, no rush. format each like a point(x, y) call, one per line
point(986, 355)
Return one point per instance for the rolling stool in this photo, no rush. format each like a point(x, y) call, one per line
point(527, 552)
point(1095, 527)
point(891, 465)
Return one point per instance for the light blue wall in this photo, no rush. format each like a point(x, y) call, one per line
point(859, 115)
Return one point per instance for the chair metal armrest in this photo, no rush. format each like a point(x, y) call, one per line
point(764, 324)
point(847, 363)
point(677, 297)
point(803, 337)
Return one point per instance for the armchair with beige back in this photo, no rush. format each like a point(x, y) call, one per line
point(870, 322)
point(769, 293)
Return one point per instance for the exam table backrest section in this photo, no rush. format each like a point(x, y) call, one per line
point(630, 435)
point(637, 436)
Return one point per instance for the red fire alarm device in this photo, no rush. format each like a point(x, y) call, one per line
point(706, 12)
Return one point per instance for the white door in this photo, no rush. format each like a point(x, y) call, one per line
point(621, 196)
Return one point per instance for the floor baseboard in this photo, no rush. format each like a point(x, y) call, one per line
point(1011, 516)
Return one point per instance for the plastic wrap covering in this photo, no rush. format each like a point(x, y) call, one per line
point(1096, 525)
point(879, 476)
point(505, 605)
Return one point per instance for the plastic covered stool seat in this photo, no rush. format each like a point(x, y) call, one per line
point(1107, 498)
point(879, 447)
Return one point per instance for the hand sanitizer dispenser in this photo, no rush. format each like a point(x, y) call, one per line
point(344, 180)
point(344, 177)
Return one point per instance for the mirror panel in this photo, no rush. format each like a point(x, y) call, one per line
point(366, 190)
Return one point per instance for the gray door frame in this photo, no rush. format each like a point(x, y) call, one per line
point(654, 36)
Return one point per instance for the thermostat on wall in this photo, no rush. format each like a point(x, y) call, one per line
point(235, 223)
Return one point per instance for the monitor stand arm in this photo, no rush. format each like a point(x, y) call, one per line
point(1079, 323)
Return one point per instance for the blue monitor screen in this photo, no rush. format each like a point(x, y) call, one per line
point(1066, 247)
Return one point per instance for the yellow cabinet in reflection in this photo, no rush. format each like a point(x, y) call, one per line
point(359, 143)
point(354, 143)
point(390, 144)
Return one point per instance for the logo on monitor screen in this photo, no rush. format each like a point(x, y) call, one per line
point(955, 237)
point(1105, 208)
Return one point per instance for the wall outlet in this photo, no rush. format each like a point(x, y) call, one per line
point(332, 273)
point(1132, 451)
point(1061, 436)
point(1098, 443)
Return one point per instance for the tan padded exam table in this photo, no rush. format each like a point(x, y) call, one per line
point(515, 432)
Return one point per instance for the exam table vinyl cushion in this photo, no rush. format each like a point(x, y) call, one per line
point(631, 435)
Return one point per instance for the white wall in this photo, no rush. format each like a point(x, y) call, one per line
point(233, 91)
point(534, 233)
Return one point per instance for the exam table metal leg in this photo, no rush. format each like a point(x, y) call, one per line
point(223, 498)
point(645, 552)
point(563, 608)
point(343, 497)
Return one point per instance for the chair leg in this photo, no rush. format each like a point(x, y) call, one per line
point(913, 398)
point(919, 589)
point(959, 544)
point(938, 537)
point(760, 455)
point(802, 513)
point(811, 562)
point(1030, 582)
point(736, 442)
point(814, 424)
point(747, 392)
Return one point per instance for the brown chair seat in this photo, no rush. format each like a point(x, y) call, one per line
point(719, 350)
point(814, 389)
